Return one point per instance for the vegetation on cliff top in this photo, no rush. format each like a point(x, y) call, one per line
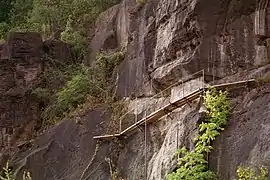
point(49, 17)
point(78, 87)
point(68, 20)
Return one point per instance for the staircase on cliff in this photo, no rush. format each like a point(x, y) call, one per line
point(171, 106)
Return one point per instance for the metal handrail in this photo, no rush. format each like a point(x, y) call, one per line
point(180, 81)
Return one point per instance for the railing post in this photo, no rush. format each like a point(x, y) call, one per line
point(120, 126)
point(145, 146)
point(136, 110)
point(203, 79)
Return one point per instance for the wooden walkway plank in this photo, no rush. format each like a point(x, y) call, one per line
point(106, 136)
point(172, 106)
point(233, 84)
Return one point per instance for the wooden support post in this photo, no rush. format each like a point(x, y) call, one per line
point(177, 134)
point(203, 79)
point(145, 146)
point(136, 110)
point(120, 126)
point(168, 113)
point(140, 128)
point(187, 101)
point(173, 105)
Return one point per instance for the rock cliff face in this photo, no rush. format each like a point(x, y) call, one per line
point(166, 40)
point(20, 66)
point(246, 139)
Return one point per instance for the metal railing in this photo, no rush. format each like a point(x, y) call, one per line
point(163, 94)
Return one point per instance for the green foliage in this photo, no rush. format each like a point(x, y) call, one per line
point(250, 174)
point(42, 94)
point(83, 87)
point(20, 14)
point(104, 66)
point(218, 107)
point(57, 74)
point(7, 174)
point(75, 91)
point(4, 27)
point(5, 11)
point(77, 85)
point(76, 39)
point(5, 8)
point(50, 17)
point(192, 164)
point(14, 15)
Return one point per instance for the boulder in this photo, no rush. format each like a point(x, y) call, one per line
point(23, 47)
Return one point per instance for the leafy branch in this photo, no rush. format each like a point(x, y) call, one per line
point(192, 164)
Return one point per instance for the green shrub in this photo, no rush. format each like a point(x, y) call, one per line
point(42, 94)
point(86, 85)
point(192, 164)
point(4, 27)
point(105, 66)
point(250, 174)
point(70, 96)
point(13, 15)
point(76, 39)
point(50, 18)
point(75, 91)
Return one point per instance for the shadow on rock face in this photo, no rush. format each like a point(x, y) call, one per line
point(65, 151)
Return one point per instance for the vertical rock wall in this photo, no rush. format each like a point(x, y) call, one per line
point(20, 67)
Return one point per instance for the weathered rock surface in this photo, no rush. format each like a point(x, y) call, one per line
point(166, 40)
point(20, 67)
point(105, 37)
point(21, 64)
point(246, 139)
point(65, 151)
